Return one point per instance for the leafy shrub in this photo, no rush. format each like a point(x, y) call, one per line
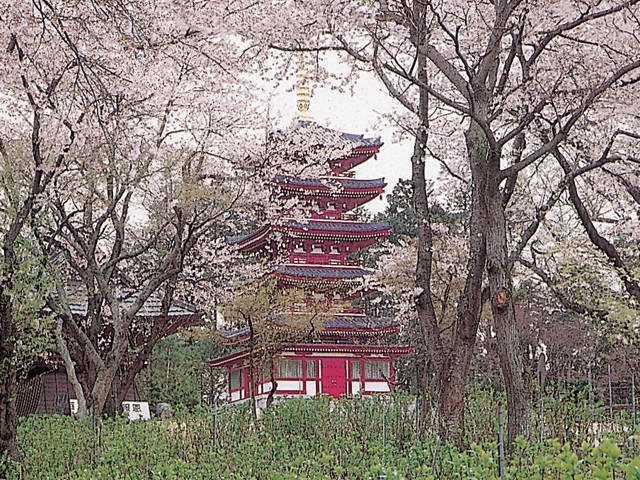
point(363, 438)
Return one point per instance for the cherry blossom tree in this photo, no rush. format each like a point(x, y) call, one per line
point(136, 198)
point(494, 91)
point(38, 128)
point(136, 120)
point(25, 279)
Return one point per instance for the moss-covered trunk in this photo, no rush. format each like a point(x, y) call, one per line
point(8, 422)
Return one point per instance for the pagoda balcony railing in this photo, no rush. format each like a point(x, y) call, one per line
point(311, 259)
point(348, 310)
point(334, 215)
point(321, 259)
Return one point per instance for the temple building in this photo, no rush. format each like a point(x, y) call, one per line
point(345, 351)
point(46, 389)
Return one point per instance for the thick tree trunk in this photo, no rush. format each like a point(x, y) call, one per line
point(429, 348)
point(451, 364)
point(453, 395)
point(454, 382)
point(105, 376)
point(70, 369)
point(456, 369)
point(128, 379)
point(8, 416)
point(101, 390)
point(485, 168)
point(515, 376)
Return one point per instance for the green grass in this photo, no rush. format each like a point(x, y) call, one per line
point(350, 439)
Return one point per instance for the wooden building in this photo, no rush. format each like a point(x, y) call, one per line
point(47, 390)
point(351, 353)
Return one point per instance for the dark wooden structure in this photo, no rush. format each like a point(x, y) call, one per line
point(47, 390)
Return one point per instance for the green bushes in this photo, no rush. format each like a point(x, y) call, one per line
point(351, 439)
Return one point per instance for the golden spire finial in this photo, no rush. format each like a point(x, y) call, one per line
point(303, 94)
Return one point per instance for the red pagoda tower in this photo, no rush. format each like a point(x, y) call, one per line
point(350, 352)
point(348, 355)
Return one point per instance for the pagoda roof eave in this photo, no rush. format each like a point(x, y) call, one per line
point(245, 241)
point(341, 324)
point(347, 332)
point(336, 228)
point(312, 228)
point(321, 272)
point(228, 359)
point(338, 347)
point(325, 184)
point(318, 348)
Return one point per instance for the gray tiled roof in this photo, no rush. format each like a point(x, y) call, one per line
point(360, 322)
point(347, 183)
point(317, 225)
point(337, 226)
point(233, 334)
point(152, 307)
point(338, 273)
point(356, 323)
point(241, 238)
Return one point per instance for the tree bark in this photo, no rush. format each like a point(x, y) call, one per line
point(514, 374)
point(8, 421)
point(429, 349)
point(8, 383)
point(458, 361)
point(456, 369)
point(102, 388)
point(70, 369)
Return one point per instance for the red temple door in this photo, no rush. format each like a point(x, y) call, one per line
point(334, 376)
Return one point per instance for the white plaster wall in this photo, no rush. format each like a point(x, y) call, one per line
point(235, 396)
point(289, 385)
point(355, 388)
point(311, 388)
point(376, 386)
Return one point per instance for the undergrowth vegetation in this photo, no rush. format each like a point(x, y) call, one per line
point(366, 438)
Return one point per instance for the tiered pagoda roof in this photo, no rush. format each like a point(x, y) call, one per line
point(320, 249)
point(320, 229)
point(321, 278)
point(346, 229)
point(339, 325)
point(315, 134)
point(361, 147)
point(332, 187)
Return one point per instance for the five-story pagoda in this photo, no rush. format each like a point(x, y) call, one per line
point(346, 352)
